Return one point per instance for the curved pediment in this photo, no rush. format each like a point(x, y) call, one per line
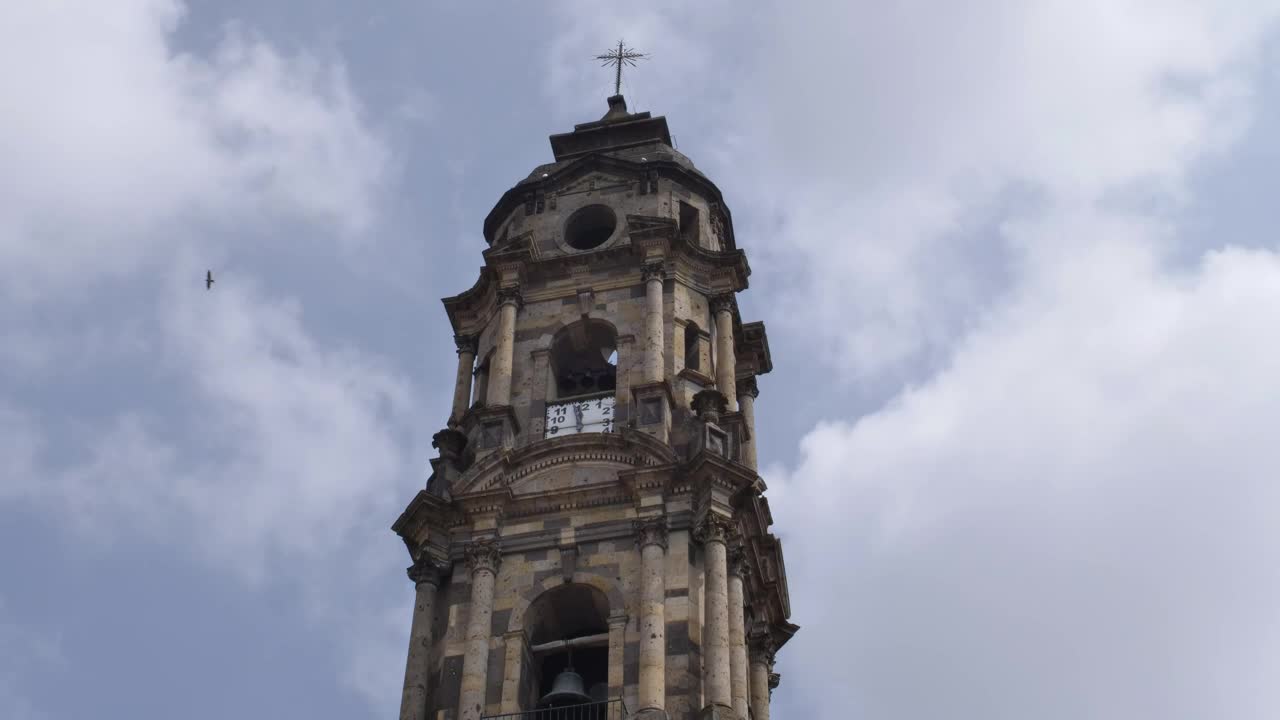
point(585, 460)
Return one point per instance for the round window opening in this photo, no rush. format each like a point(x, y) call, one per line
point(590, 227)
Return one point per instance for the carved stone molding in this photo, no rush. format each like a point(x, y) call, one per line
point(714, 528)
point(465, 343)
point(424, 571)
point(483, 555)
point(748, 386)
point(510, 295)
point(651, 531)
point(653, 270)
point(774, 680)
point(722, 303)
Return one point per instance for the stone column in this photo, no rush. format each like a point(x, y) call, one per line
point(761, 665)
point(654, 346)
point(714, 533)
point(483, 557)
point(651, 537)
point(462, 383)
point(512, 669)
point(617, 654)
point(509, 301)
point(737, 633)
point(726, 363)
point(413, 701)
point(747, 394)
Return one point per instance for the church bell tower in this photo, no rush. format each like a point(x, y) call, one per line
point(593, 541)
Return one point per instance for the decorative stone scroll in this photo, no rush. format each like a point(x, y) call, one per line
point(651, 531)
point(483, 555)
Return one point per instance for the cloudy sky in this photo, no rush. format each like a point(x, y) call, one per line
point(1019, 262)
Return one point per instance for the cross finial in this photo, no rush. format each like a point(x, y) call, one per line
point(621, 56)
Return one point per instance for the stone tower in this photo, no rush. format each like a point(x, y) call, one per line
point(595, 506)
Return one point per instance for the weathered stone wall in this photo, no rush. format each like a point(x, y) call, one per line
point(607, 559)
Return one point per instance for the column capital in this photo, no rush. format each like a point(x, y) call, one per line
point(761, 646)
point(748, 386)
point(715, 528)
point(510, 295)
point(483, 555)
point(651, 531)
point(424, 572)
point(738, 562)
point(724, 302)
point(653, 270)
point(465, 343)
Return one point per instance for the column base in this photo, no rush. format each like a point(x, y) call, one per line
point(651, 714)
point(717, 712)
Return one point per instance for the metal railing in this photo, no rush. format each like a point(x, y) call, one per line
point(604, 710)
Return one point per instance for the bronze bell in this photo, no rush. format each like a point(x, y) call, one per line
point(566, 690)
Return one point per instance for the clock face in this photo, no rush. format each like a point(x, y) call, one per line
point(578, 416)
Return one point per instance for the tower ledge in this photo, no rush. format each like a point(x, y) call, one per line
point(618, 129)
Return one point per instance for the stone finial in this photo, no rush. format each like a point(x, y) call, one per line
point(483, 555)
point(466, 343)
point(714, 528)
point(651, 531)
point(709, 404)
point(450, 442)
point(510, 295)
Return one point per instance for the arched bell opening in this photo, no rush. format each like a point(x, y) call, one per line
point(584, 369)
point(568, 636)
point(584, 359)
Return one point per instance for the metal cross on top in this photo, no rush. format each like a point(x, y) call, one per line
point(622, 56)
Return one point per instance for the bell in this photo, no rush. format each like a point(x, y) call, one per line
point(566, 690)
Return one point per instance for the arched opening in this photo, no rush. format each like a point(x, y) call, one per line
point(480, 387)
point(590, 227)
point(568, 634)
point(692, 349)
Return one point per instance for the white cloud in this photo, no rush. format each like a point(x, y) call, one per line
point(1068, 512)
point(888, 128)
point(1074, 519)
point(271, 455)
point(116, 143)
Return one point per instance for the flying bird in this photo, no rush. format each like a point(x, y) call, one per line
point(208, 280)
